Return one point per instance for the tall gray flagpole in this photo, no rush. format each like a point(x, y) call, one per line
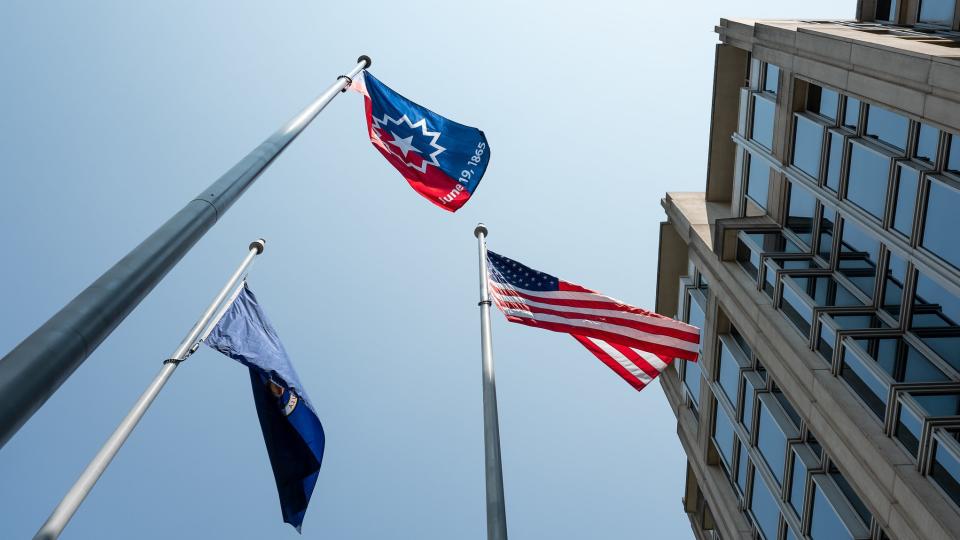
point(81, 488)
point(496, 511)
point(35, 369)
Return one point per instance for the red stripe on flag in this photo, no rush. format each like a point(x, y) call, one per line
point(610, 337)
point(629, 323)
point(637, 360)
point(610, 362)
point(686, 335)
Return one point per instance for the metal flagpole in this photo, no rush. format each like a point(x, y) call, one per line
point(496, 511)
point(81, 488)
point(35, 369)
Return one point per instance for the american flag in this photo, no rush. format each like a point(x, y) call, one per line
point(635, 343)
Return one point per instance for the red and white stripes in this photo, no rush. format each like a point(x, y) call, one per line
point(635, 343)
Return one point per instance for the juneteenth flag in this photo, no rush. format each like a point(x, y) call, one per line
point(635, 343)
point(441, 159)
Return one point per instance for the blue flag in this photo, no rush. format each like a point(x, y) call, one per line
point(291, 429)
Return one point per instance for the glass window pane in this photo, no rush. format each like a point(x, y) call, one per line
point(887, 10)
point(939, 12)
point(953, 160)
point(893, 285)
point(798, 483)
point(826, 524)
point(823, 101)
point(942, 222)
point(867, 183)
point(897, 360)
point(742, 467)
point(758, 181)
point(772, 442)
point(750, 387)
point(905, 199)
point(935, 307)
point(834, 161)
point(771, 81)
point(763, 113)
point(887, 126)
point(851, 495)
point(946, 471)
point(831, 322)
point(799, 291)
point(729, 376)
point(801, 211)
point(724, 437)
point(927, 144)
point(766, 512)
point(852, 113)
point(692, 373)
point(859, 253)
point(828, 223)
point(808, 136)
point(936, 313)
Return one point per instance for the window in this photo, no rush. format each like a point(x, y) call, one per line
point(859, 253)
point(831, 323)
point(834, 161)
point(771, 79)
point(764, 508)
point(867, 184)
point(742, 463)
point(939, 12)
point(851, 115)
point(802, 208)
point(723, 436)
point(905, 199)
point(823, 101)
point(691, 372)
point(936, 313)
point(887, 10)
point(953, 160)
point(828, 223)
point(887, 126)
point(808, 137)
point(832, 517)
point(927, 141)
point(871, 364)
point(802, 293)
point(772, 433)
point(942, 221)
point(894, 279)
point(763, 114)
point(729, 373)
point(917, 405)
point(758, 181)
point(798, 483)
point(945, 470)
point(752, 383)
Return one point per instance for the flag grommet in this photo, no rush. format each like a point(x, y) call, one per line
point(349, 82)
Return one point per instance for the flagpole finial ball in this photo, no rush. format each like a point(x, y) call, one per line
point(481, 229)
point(365, 59)
point(259, 244)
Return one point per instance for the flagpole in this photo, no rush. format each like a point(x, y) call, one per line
point(496, 511)
point(35, 369)
point(68, 506)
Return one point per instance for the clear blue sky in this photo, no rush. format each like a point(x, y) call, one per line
point(114, 116)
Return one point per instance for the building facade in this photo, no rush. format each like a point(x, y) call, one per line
point(823, 264)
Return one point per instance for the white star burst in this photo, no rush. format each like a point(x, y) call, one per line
point(402, 147)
